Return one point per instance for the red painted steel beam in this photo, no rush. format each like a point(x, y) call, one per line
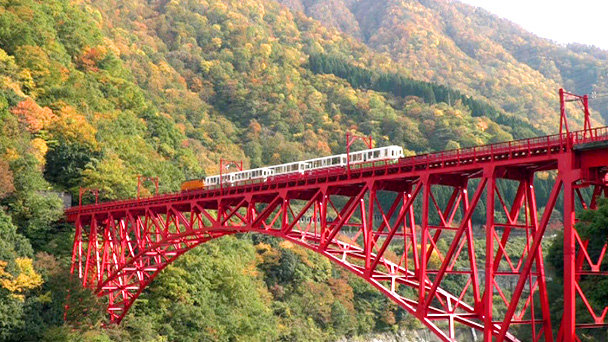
point(531, 257)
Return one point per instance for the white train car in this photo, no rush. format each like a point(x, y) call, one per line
point(326, 162)
point(262, 173)
point(241, 176)
point(377, 154)
point(283, 169)
point(215, 180)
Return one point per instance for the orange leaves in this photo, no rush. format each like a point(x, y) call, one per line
point(316, 143)
point(343, 292)
point(91, 57)
point(6, 179)
point(482, 125)
point(391, 256)
point(255, 128)
point(34, 117)
point(66, 123)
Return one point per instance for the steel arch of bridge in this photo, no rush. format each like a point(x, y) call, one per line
point(353, 217)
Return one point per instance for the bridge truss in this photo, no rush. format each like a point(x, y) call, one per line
point(405, 227)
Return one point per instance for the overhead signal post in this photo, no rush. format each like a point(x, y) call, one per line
point(226, 164)
point(583, 101)
point(142, 179)
point(83, 191)
point(351, 139)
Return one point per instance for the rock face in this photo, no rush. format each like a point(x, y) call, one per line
point(422, 335)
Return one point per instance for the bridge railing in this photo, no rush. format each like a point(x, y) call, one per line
point(554, 142)
point(591, 135)
point(487, 151)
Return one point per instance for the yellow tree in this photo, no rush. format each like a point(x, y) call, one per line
point(26, 279)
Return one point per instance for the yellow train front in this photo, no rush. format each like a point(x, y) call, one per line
point(193, 184)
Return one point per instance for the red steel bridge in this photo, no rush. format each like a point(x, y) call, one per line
point(410, 207)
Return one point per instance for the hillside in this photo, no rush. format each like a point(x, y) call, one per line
point(96, 92)
point(467, 48)
point(249, 64)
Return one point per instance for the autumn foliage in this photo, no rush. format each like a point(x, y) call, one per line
point(94, 94)
point(33, 117)
point(26, 279)
point(6, 179)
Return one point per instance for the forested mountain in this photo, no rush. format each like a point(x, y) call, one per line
point(469, 49)
point(96, 92)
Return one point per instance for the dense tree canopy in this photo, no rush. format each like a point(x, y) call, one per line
point(94, 93)
point(472, 50)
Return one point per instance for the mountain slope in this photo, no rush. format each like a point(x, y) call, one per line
point(248, 63)
point(472, 50)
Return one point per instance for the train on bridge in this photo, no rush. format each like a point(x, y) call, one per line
point(369, 156)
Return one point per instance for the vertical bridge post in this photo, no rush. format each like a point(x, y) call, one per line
point(350, 139)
